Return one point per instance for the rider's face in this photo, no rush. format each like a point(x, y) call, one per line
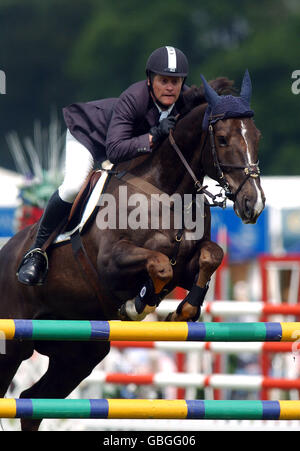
point(167, 89)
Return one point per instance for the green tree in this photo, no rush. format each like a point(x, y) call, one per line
point(57, 52)
point(36, 38)
point(271, 54)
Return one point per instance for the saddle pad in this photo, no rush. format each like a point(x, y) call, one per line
point(89, 209)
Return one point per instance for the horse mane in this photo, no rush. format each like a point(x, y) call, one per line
point(194, 96)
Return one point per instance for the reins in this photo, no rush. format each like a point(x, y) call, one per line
point(251, 170)
point(199, 188)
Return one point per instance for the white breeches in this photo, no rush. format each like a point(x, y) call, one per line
point(78, 164)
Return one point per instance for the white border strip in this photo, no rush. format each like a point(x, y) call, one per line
point(172, 59)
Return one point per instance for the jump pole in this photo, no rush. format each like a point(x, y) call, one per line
point(247, 382)
point(148, 331)
point(149, 409)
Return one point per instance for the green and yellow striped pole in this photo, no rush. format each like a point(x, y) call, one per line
point(148, 331)
point(149, 409)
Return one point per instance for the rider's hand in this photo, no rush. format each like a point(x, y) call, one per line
point(162, 130)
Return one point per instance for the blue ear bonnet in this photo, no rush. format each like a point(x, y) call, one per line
point(227, 107)
point(224, 107)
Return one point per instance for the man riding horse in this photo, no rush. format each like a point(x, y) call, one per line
point(214, 136)
point(135, 125)
point(118, 129)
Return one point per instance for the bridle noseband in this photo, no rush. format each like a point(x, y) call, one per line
point(250, 170)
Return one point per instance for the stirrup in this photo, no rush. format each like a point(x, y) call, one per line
point(36, 250)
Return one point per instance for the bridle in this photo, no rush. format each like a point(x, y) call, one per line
point(250, 170)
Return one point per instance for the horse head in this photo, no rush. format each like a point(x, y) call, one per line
point(234, 142)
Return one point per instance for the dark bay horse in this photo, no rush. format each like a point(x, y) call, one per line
point(227, 151)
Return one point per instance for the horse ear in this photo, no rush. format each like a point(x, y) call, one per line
point(210, 94)
point(246, 89)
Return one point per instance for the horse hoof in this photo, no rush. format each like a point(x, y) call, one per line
point(128, 312)
point(122, 314)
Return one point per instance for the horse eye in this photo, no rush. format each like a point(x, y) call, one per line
point(222, 141)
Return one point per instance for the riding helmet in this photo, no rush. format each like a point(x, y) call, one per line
point(168, 61)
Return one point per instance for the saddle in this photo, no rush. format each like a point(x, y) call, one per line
point(63, 232)
point(82, 200)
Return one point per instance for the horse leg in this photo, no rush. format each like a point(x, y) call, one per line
point(69, 364)
point(11, 356)
point(150, 270)
point(210, 258)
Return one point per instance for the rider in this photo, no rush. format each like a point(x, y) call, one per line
point(117, 129)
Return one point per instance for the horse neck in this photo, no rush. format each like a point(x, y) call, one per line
point(167, 171)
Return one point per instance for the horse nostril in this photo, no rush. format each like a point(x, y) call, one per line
point(247, 207)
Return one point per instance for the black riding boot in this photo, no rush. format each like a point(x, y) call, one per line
point(34, 266)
